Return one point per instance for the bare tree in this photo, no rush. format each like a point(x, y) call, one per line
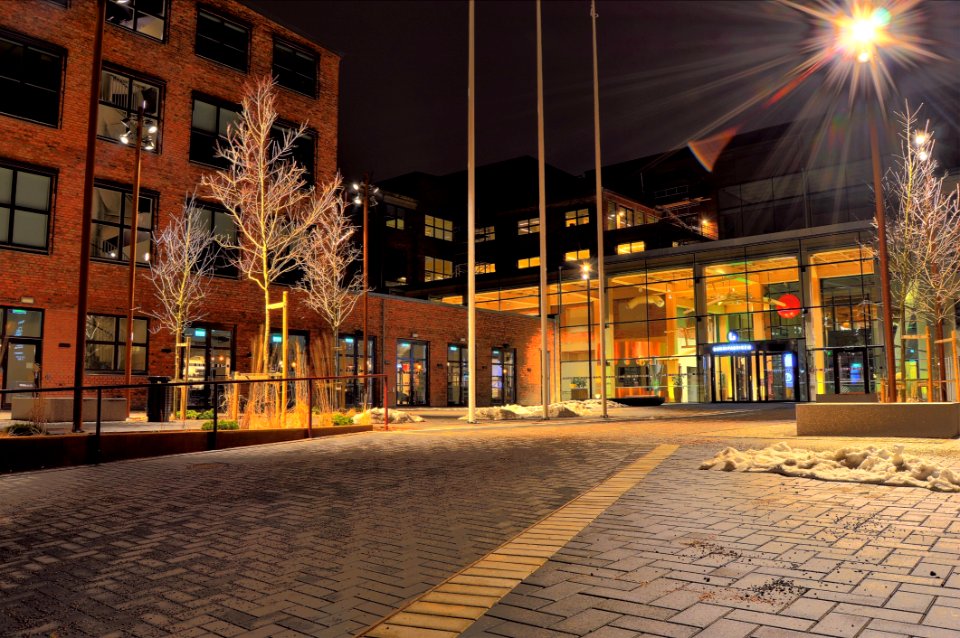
point(180, 268)
point(924, 234)
point(266, 194)
point(325, 259)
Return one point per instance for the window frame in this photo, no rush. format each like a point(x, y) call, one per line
point(218, 104)
point(119, 344)
point(124, 190)
point(223, 256)
point(486, 233)
point(529, 226)
point(576, 218)
point(532, 262)
point(395, 221)
point(296, 48)
point(26, 42)
point(430, 274)
point(131, 110)
point(438, 231)
point(629, 247)
point(576, 255)
point(224, 19)
point(53, 174)
point(133, 5)
point(280, 127)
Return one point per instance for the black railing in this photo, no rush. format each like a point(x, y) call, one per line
point(217, 385)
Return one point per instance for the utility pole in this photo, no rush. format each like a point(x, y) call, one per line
point(471, 226)
point(601, 281)
point(541, 172)
point(131, 287)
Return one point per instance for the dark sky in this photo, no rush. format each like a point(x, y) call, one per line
point(670, 72)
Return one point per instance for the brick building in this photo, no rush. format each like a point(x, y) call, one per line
point(189, 61)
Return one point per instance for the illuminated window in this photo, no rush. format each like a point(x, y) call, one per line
point(393, 217)
point(576, 255)
point(483, 268)
point(529, 262)
point(577, 217)
point(632, 247)
point(528, 226)
point(438, 228)
point(112, 217)
point(435, 269)
point(486, 234)
point(120, 97)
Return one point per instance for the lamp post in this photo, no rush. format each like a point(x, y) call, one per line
point(363, 193)
point(585, 275)
point(141, 142)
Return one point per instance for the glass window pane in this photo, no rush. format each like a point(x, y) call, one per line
point(33, 191)
point(101, 328)
point(30, 229)
point(227, 117)
point(6, 185)
point(99, 356)
point(105, 241)
point(23, 323)
point(4, 224)
point(151, 26)
point(106, 205)
point(204, 116)
point(110, 122)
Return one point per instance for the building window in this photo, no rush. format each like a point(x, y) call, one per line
point(576, 255)
point(528, 262)
point(393, 216)
point(30, 80)
point(143, 16)
point(120, 97)
point(221, 226)
point(438, 228)
point(107, 344)
point(528, 226)
point(576, 217)
point(24, 207)
point(112, 213)
point(483, 268)
point(304, 148)
point(632, 247)
point(435, 269)
point(222, 40)
point(295, 68)
point(487, 233)
point(208, 130)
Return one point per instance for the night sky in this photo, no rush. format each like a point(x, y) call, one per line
point(670, 72)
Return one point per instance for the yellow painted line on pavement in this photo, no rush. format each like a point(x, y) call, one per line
point(450, 608)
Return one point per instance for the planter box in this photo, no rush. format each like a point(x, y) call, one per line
point(60, 409)
point(915, 420)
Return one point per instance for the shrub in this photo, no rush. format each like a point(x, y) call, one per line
point(221, 425)
point(341, 419)
point(25, 429)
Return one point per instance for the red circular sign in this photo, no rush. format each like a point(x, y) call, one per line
point(788, 306)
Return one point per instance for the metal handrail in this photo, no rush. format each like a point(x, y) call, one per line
point(99, 389)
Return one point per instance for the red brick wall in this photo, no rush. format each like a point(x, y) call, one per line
point(52, 278)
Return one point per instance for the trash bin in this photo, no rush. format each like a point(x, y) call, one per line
point(159, 399)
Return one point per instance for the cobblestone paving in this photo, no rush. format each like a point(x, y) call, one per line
point(690, 553)
point(317, 538)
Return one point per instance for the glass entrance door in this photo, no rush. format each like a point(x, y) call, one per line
point(457, 375)
point(21, 332)
point(850, 366)
point(211, 358)
point(776, 376)
point(732, 377)
point(411, 373)
point(502, 367)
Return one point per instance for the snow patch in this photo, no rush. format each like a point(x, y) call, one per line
point(376, 416)
point(878, 466)
point(565, 409)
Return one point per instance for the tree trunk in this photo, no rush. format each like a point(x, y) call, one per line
point(903, 350)
point(941, 359)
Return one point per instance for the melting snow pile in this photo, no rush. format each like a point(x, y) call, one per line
point(555, 410)
point(376, 416)
point(869, 465)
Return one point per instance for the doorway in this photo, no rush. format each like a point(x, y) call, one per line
point(753, 372)
point(412, 372)
point(211, 359)
point(21, 338)
point(503, 370)
point(458, 380)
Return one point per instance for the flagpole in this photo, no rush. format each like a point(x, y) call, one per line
point(541, 174)
point(601, 280)
point(471, 231)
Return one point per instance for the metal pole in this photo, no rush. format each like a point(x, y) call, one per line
point(589, 341)
point(284, 356)
point(80, 342)
point(541, 174)
point(559, 325)
point(471, 228)
point(887, 318)
point(386, 412)
point(366, 206)
point(132, 263)
point(97, 451)
point(309, 409)
point(601, 294)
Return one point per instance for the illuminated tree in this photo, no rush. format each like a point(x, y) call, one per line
point(265, 193)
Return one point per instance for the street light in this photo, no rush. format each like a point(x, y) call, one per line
point(134, 126)
point(366, 196)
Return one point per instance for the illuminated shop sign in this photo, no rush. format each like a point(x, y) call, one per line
point(730, 348)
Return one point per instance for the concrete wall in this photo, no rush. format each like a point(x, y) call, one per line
point(915, 420)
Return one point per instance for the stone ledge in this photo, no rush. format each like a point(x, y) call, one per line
point(60, 409)
point(913, 420)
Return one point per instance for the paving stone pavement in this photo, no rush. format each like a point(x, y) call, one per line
point(731, 555)
point(317, 538)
